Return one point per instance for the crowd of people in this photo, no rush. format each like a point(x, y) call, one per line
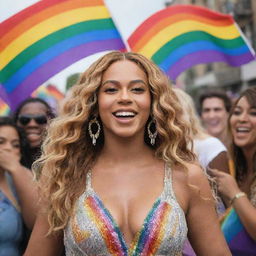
point(128, 167)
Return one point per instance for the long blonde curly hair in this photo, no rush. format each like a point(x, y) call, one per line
point(191, 116)
point(68, 153)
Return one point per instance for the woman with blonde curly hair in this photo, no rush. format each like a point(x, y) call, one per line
point(116, 176)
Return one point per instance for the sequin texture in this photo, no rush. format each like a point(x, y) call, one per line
point(93, 231)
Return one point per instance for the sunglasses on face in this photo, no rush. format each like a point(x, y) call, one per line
point(39, 119)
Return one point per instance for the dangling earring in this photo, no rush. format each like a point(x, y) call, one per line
point(151, 135)
point(94, 136)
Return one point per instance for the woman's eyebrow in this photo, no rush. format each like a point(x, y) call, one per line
point(110, 81)
point(136, 81)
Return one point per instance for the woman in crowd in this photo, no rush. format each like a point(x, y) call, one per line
point(17, 193)
point(33, 115)
point(116, 174)
point(239, 227)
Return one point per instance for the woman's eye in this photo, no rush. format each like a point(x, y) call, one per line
point(110, 90)
point(236, 112)
point(253, 113)
point(138, 89)
point(16, 145)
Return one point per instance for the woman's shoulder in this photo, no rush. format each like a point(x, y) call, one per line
point(189, 183)
point(190, 171)
point(191, 176)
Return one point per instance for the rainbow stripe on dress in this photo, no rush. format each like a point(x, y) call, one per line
point(146, 242)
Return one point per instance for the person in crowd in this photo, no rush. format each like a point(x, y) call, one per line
point(239, 226)
point(117, 176)
point(32, 115)
point(210, 150)
point(214, 110)
point(17, 192)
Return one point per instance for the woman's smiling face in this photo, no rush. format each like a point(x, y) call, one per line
point(124, 100)
point(243, 124)
point(9, 139)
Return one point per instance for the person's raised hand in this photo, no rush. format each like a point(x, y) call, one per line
point(226, 184)
point(9, 160)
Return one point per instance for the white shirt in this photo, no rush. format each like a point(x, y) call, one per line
point(207, 149)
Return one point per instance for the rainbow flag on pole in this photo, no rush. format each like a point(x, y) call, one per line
point(4, 108)
point(45, 38)
point(182, 36)
point(49, 91)
point(50, 94)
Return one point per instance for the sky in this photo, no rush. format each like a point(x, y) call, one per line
point(127, 15)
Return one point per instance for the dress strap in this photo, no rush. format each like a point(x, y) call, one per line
point(168, 181)
point(89, 180)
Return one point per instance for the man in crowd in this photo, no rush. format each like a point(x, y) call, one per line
point(214, 111)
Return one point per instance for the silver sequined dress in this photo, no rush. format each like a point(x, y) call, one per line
point(92, 230)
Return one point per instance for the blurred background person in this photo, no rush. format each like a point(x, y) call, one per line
point(210, 151)
point(32, 115)
point(239, 226)
point(214, 110)
point(17, 195)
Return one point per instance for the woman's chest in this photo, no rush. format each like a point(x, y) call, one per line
point(93, 227)
point(10, 221)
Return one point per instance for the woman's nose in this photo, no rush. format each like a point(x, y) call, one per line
point(124, 96)
point(243, 117)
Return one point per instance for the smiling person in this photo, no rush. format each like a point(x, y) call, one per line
point(33, 115)
point(116, 176)
point(214, 111)
point(239, 226)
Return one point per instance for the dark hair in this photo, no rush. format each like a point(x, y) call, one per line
point(49, 110)
point(240, 163)
point(24, 145)
point(215, 94)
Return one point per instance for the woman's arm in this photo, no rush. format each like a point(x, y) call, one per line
point(42, 245)
point(204, 231)
point(228, 187)
point(23, 182)
point(220, 162)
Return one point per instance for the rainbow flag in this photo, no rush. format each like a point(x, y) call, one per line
point(45, 92)
point(238, 240)
point(182, 36)
point(54, 92)
point(45, 38)
point(50, 94)
point(4, 108)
